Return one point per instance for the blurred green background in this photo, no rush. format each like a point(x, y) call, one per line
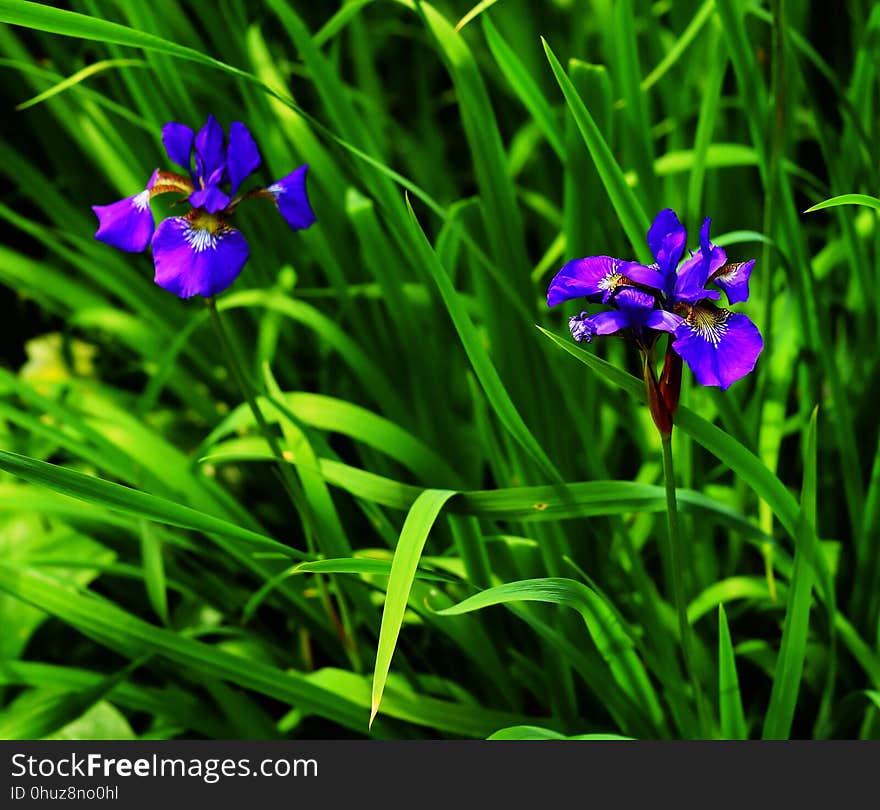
point(156, 578)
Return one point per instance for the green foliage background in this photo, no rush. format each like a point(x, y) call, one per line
point(474, 546)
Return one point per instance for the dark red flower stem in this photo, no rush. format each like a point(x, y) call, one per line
point(663, 394)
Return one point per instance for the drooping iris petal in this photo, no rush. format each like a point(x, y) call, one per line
point(212, 199)
point(694, 273)
point(128, 224)
point(583, 327)
point(242, 155)
point(210, 158)
point(178, 142)
point(663, 321)
point(734, 280)
point(636, 303)
point(594, 277)
point(291, 198)
point(720, 346)
point(667, 238)
point(647, 276)
point(196, 261)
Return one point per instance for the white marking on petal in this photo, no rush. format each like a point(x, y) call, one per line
point(276, 190)
point(610, 281)
point(141, 201)
point(199, 239)
point(709, 323)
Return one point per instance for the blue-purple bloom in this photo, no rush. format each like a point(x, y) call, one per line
point(200, 253)
point(719, 345)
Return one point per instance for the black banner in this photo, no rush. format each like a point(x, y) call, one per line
point(391, 774)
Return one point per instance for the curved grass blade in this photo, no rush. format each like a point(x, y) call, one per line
point(846, 199)
point(733, 721)
point(356, 422)
point(79, 76)
point(538, 733)
point(413, 536)
point(121, 631)
point(133, 502)
point(527, 504)
point(610, 637)
point(476, 11)
point(728, 590)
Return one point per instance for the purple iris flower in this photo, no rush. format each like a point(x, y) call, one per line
point(719, 345)
point(200, 253)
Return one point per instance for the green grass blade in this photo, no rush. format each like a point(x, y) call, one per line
point(76, 78)
point(538, 733)
point(846, 199)
point(133, 637)
point(154, 570)
point(613, 641)
point(733, 721)
point(482, 365)
point(132, 502)
point(525, 87)
point(413, 536)
point(739, 458)
point(632, 217)
point(795, 631)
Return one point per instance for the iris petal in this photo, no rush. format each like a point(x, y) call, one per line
point(593, 277)
point(646, 276)
point(192, 261)
point(178, 142)
point(128, 224)
point(634, 301)
point(242, 155)
point(694, 273)
point(663, 321)
point(720, 346)
point(212, 199)
point(291, 198)
point(583, 327)
point(667, 238)
point(209, 151)
point(734, 280)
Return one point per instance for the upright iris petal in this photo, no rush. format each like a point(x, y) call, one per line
point(193, 260)
point(692, 276)
point(210, 157)
point(667, 238)
point(128, 224)
point(290, 196)
point(178, 142)
point(242, 155)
